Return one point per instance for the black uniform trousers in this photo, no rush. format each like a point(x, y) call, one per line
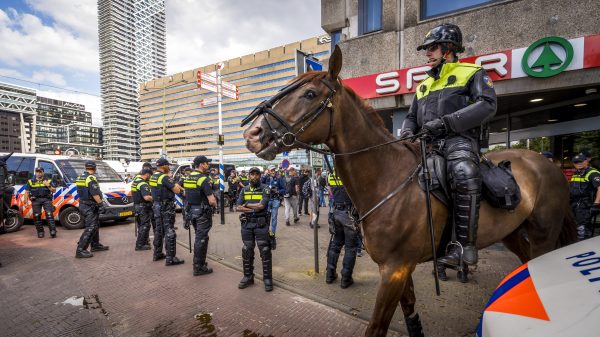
point(91, 220)
point(344, 235)
point(164, 215)
point(46, 204)
point(583, 217)
point(201, 219)
point(255, 233)
point(145, 217)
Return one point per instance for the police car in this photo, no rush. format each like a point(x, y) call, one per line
point(556, 294)
point(64, 170)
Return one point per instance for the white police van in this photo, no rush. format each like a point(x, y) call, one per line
point(64, 170)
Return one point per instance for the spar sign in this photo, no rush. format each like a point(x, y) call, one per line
point(544, 58)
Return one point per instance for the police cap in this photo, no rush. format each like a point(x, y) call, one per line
point(201, 159)
point(255, 170)
point(578, 158)
point(39, 169)
point(147, 165)
point(162, 162)
point(586, 153)
point(146, 170)
point(90, 165)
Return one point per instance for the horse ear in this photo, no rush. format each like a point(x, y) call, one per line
point(335, 63)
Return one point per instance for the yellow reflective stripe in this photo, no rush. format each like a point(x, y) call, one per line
point(160, 179)
point(461, 71)
point(334, 181)
point(89, 179)
point(201, 180)
point(156, 182)
point(579, 179)
point(36, 184)
point(587, 176)
point(253, 196)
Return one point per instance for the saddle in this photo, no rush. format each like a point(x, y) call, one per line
point(500, 189)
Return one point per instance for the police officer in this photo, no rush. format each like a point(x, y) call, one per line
point(451, 105)
point(253, 202)
point(148, 166)
point(142, 201)
point(343, 233)
point(234, 185)
point(244, 179)
point(215, 183)
point(39, 192)
point(91, 205)
point(585, 195)
point(200, 200)
point(163, 196)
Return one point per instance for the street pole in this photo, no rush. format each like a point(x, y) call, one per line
point(164, 122)
point(221, 141)
point(316, 224)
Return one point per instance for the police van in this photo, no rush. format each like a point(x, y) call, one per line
point(63, 171)
point(178, 172)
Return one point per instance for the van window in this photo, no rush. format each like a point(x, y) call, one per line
point(49, 168)
point(21, 167)
point(72, 168)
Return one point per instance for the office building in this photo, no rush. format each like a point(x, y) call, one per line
point(17, 118)
point(132, 50)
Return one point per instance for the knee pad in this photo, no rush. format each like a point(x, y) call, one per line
point(37, 216)
point(465, 176)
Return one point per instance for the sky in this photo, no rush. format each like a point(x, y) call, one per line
point(54, 43)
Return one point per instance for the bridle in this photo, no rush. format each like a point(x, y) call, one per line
point(289, 138)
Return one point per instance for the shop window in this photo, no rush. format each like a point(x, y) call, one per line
point(433, 8)
point(369, 16)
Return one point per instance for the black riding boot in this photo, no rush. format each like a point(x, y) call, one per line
point(39, 227)
point(332, 260)
point(467, 216)
point(52, 226)
point(414, 327)
point(267, 268)
point(83, 244)
point(170, 247)
point(200, 266)
point(248, 264)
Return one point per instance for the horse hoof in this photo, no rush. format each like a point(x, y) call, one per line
point(463, 276)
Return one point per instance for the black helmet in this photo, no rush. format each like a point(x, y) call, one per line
point(90, 165)
point(446, 32)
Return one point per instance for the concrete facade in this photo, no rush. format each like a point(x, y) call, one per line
point(17, 118)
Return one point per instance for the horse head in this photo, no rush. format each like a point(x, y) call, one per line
point(299, 115)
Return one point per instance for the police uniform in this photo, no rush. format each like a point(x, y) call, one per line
point(197, 189)
point(244, 180)
point(343, 233)
point(233, 188)
point(163, 207)
point(452, 104)
point(41, 197)
point(87, 188)
point(143, 211)
point(583, 187)
point(255, 229)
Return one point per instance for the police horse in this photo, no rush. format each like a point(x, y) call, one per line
point(317, 109)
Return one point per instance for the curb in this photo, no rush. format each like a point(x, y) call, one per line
point(394, 326)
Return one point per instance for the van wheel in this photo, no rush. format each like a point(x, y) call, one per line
point(71, 218)
point(14, 221)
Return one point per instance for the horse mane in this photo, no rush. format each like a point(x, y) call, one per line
point(362, 104)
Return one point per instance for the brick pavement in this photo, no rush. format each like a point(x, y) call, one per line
point(126, 294)
point(455, 313)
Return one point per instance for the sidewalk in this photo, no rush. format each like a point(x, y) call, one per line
point(455, 313)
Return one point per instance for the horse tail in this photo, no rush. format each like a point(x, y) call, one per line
point(568, 232)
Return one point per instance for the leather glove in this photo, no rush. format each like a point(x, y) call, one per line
point(595, 209)
point(435, 127)
point(101, 208)
point(406, 134)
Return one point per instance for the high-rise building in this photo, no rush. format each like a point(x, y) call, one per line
point(17, 118)
point(66, 127)
point(172, 104)
point(132, 36)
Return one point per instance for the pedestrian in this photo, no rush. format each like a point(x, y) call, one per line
point(291, 196)
point(302, 198)
point(585, 195)
point(307, 191)
point(163, 196)
point(201, 200)
point(234, 186)
point(253, 202)
point(322, 187)
point(142, 203)
point(91, 205)
point(39, 191)
point(464, 99)
point(343, 233)
point(277, 188)
point(215, 183)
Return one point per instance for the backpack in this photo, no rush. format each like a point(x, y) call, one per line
point(500, 188)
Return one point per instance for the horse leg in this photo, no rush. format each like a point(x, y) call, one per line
point(517, 243)
point(393, 280)
point(407, 301)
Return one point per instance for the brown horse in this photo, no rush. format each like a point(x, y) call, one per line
point(316, 108)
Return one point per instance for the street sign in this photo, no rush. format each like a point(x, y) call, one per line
point(285, 164)
point(313, 65)
point(316, 161)
point(208, 81)
point(208, 101)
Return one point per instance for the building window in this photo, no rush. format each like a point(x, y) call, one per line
point(433, 8)
point(369, 16)
point(335, 39)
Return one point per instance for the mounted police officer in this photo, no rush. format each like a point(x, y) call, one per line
point(91, 205)
point(142, 201)
point(163, 196)
point(343, 233)
point(39, 192)
point(585, 195)
point(200, 201)
point(451, 105)
point(253, 202)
